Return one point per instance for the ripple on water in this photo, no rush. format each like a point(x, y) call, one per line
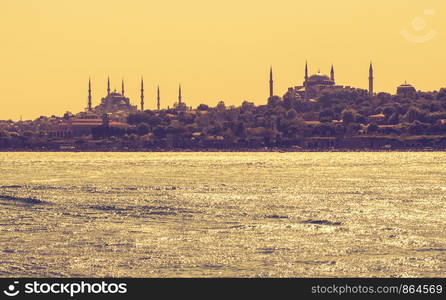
point(322, 222)
point(141, 211)
point(21, 200)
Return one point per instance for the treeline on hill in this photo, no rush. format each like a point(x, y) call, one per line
point(281, 122)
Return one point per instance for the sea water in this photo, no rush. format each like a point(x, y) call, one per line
point(357, 214)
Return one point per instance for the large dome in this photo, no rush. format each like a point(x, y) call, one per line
point(406, 85)
point(406, 90)
point(319, 77)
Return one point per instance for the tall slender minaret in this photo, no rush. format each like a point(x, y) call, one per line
point(122, 88)
point(89, 94)
point(179, 95)
point(108, 86)
point(332, 73)
point(158, 103)
point(142, 93)
point(271, 82)
point(371, 79)
point(306, 79)
point(306, 71)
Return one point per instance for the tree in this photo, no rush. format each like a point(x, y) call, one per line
point(415, 114)
point(154, 121)
point(66, 116)
point(416, 128)
point(352, 128)
point(388, 111)
point(142, 129)
point(240, 130)
point(138, 117)
point(4, 134)
point(247, 106)
point(221, 106)
point(202, 107)
point(326, 115)
point(442, 94)
point(394, 119)
point(291, 114)
point(361, 119)
point(289, 102)
point(5, 138)
point(348, 116)
point(274, 101)
point(384, 97)
point(159, 132)
point(324, 129)
point(373, 128)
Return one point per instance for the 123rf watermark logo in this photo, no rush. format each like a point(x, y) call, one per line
point(12, 290)
point(72, 289)
point(422, 32)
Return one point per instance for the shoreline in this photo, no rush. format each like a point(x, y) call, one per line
point(243, 150)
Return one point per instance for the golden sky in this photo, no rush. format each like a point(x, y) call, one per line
point(217, 50)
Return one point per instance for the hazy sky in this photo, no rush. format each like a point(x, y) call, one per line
point(218, 50)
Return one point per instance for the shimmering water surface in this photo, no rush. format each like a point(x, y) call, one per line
point(223, 214)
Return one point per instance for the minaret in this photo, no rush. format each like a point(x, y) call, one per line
point(332, 73)
point(89, 94)
point(179, 95)
point(122, 88)
point(108, 86)
point(158, 98)
point(371, 79)
point(306, 71)
point(142, 93)
point(271, 82)
point(306, 79)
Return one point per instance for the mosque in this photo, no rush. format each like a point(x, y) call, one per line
point(112, 112)
point(314, 85)
point(114, 102)
point(117, 103)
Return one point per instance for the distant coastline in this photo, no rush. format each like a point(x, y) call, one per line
point(229, 150)
point(238, 150)
point(357, 143)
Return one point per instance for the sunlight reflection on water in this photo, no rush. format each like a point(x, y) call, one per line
point(223, 214)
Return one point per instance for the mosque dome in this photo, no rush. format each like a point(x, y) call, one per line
point(406, 90)
point(406, 85)
point(319, 77)
point(115, 94)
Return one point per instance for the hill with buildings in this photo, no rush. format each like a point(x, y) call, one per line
point(317, 115)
